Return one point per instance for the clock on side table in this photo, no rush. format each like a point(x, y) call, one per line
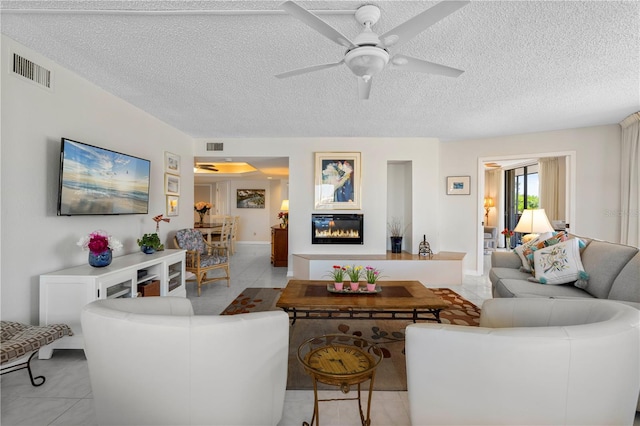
point(340, 360)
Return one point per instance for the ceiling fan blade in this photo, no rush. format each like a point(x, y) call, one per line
point(316, 23)
point(414, 26)
point(364, 88)
point(407, 63)
point(308, 70)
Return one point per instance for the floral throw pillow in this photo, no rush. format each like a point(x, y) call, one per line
point(559, 263)
point(520, 251)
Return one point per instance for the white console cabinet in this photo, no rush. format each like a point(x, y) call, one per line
point(64, 293)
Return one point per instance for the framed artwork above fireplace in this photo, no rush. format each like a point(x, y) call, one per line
point(337, 180)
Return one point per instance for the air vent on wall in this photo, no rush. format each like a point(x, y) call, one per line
point(214, 146)
point(31, 71)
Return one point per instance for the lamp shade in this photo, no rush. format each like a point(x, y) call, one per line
point(533, 221)
point(488, 202)
point(284, 206)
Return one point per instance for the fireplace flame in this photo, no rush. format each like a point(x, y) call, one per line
point(339, 233)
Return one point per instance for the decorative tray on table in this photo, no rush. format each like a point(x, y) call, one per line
point(347, 290)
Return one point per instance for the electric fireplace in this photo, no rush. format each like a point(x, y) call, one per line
point(337, 229)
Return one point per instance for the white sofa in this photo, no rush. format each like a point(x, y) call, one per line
point(152, 362)
point(531, 362)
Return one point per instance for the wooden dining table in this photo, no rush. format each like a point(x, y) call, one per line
point(210, 229)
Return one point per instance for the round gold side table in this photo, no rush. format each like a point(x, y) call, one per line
point(340, 360)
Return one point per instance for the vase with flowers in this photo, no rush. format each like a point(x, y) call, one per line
point(202, 208)
point(507, 237)
point(372, 275)
point(284, 217)
point(101, 246)
point(354, 273)
point(337, 274)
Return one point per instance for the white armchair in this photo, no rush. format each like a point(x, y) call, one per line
point(531, 362)
point(152, 362)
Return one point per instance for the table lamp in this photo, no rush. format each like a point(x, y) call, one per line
point(488, 203)
point(533, 222)
point(284, 206)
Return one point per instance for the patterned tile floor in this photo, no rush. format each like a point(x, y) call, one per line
point(66, 398)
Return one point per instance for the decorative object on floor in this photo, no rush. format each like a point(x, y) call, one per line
point(340, 360)
point(531, 223)
point(337, 181)
point(578, 358)
point(507, 237)
point(458, 185)
point(387, 334)
point(150, 243)
point(21, 342)
point(488, 204)
point(100, 245)
point(367, 55)
point(181, 369)
point(202, 208)
point(396, 232)
point(424, 249)
point(158, 219)
point(202, 258)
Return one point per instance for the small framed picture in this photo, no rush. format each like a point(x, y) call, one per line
point(173, 203)
point(171, 184)
point(171, 163)
point(458, 185)
point(250, 198)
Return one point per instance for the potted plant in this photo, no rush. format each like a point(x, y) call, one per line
point(396, 232)
point(337, 274)
point(372, 276)
point(100, 245)
point(354, 273)
point(150, 243)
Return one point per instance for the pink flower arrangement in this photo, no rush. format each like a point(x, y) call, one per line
point(371, 274)
point(98, 242)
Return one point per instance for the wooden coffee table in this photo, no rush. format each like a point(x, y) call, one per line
point(398, 300)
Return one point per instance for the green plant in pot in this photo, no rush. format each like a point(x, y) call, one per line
point(150, 243)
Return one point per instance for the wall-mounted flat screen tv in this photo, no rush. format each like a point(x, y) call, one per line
point(98, 181)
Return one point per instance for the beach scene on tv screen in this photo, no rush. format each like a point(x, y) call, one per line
point(98, 181)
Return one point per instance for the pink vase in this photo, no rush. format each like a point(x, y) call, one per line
point(354, 285)
point(371, 287)
point(338, 286)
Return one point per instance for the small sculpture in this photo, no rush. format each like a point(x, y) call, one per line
point(425, 249)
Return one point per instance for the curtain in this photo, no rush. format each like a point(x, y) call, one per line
point(549, 187)
point(630, 181)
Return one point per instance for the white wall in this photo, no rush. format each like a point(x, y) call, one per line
point(34, 240)
point(597, 153)
point(376, 152)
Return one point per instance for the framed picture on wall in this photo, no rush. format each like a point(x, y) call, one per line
point(173, 204)
point(250, 198)
point(171, 163)
point(458, 185)
point(171, 184)
point(337, 180)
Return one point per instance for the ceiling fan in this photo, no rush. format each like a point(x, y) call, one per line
point(369, 53)
point(209, 167)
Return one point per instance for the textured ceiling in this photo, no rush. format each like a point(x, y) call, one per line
point(529, 66)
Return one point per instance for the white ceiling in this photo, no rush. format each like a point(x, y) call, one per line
point(529, 65)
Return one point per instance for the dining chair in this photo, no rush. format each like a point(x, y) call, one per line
point(234, 233)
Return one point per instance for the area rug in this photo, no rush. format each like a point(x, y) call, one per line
point(387, 334)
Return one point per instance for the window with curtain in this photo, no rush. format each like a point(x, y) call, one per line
point(522, 191)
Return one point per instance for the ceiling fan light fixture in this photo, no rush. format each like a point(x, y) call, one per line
point(366, 60)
